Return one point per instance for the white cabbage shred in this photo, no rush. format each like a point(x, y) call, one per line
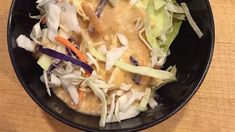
point(68, 17)
point(158, 57)
point(138, 95)
point(46, 83)
point(70, 82)
point(25, 43)
point(37, 17)
point(129, 113)
point(113, 55)
point(191, 21)
point(152, 103)
point(125, 87)
point(122, 39)
point(53, 20)
point(41, 2)
point(93, 60)
point(98, 92)
point(63, 71)
point(112, 107)
point(36, 33)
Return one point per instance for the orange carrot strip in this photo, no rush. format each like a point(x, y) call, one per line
point(69, 45)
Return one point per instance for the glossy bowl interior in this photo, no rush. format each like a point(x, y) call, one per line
point(191, 55)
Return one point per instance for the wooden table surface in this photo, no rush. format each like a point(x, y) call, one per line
point(211, 109)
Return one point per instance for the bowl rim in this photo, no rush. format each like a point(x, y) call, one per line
point(138, 128)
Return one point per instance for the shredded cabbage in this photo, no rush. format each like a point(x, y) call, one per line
point(68, 68)
point(98, 92)
point(119, 92)
point(37, 17)
point(138, 95)
point(129, 113)
point(125, 87)
point(102, 84)
point(112, 107)
point(146, 71)
point(145, 100)
point(36, 32)
point(161, 28)
point(46, 82)
point(93, 60)
point(125, 108)
point(42, 2)
point(113, 56)
point(53, 20)
point(25, 43)
point(75, 77)
point(128, 103)
point(54, 81)
point(159, 4)
point(158, 23)
point(72, 90)
point(122, 39)
point(142, 70)
point(123, 102)
point(96, 54)
point(191, 21)
point(179, 16)
point(68, 17)
point(157, 30)
point(158, 57)
point(171, 36)
point(152, 103)
point(174, 8)
point(68, 82)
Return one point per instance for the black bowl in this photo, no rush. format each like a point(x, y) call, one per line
point(191, 55)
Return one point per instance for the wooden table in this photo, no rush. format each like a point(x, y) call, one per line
point(211, 109)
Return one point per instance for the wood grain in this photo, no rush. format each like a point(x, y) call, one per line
point(212, 109)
